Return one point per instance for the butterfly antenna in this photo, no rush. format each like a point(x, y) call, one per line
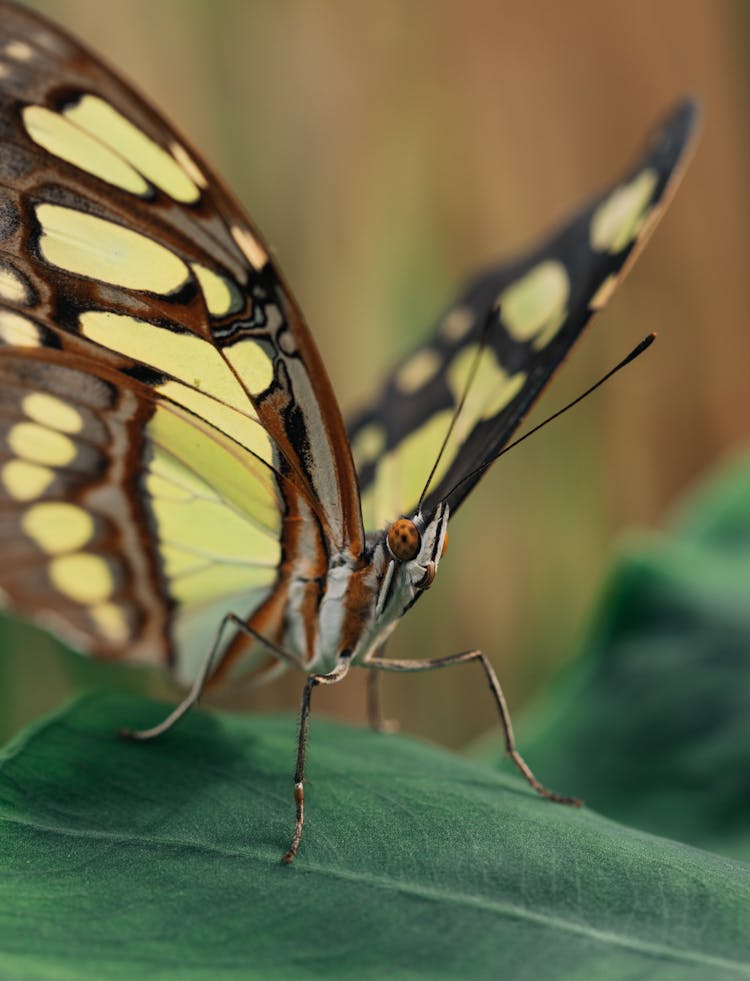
point(492, 313)
point(635, 353)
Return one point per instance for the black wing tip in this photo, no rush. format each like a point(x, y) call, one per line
point(681, 124)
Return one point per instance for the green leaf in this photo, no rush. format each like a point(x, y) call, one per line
point(652, 724)
point(124, 860)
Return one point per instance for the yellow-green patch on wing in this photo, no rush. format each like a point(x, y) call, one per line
point(111, 622)
point(49, 410)
point(39, 444)
point(618, 219)
point(25, 481)
point(14, 288)
point(213, 531)
point(89, 246)
point(58, 526)
point(197, 456)
point(83, 577)
point(491, 389)
point(219, 292)
point(62, 138)
point(196, 363)
point(17, 330)
point(102, 121)
point(535, 306)
point(403, 471)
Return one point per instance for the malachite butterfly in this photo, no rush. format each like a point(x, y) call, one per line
point(178, 484)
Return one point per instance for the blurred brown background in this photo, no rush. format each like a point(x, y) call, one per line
point(386, 150)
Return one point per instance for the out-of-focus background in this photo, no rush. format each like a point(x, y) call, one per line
point(386, 151)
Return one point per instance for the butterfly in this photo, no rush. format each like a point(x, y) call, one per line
point(178, 484)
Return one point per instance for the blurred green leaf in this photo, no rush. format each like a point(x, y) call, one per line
point(38, 673)
point(652, 724)
point(122, 860)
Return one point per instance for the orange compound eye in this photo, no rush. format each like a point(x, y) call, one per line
point(403, 540)
point(444, 549)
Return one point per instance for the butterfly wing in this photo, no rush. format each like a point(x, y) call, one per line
point(125, 525)
point(125, 263)
point(502, 339)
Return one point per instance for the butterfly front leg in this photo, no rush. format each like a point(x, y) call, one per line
point(432, 664)
point(339, 672)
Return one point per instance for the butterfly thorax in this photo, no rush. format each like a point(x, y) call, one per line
point(364, 600)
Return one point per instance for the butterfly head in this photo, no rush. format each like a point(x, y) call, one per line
point(413, 548)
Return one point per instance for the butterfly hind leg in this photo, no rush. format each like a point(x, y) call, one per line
point(193, 696)
point(433, 664)
point(374, 708)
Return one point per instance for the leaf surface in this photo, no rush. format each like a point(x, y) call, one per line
point(124, 860)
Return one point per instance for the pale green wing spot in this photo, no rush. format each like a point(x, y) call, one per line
point(24, 481)
point(252, 362)
point(216, 579)
point(17, 330)
point(605, 291)
point(60, 137)
point(243, 427)
point(82, 577)
point(58, 527)
point(220, 293)
point(418, 370)
point(457, 323)
point(201, 461)
point(13, 287)
point(618, 219)
point(250, 247)
point(110, 621)
point(98, 249)
point(189, 165)
point(38, 444)
point(18, 51)
point(403, 471)
point(368, 444)
point(193, 361)
point(210, 529)
point(535, 306)
point(48, 410)
point(104, 123)
point(491, 389)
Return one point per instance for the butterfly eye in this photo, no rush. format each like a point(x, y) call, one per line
point(403, 540)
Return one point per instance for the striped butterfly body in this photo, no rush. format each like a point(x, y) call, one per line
point(178, 485)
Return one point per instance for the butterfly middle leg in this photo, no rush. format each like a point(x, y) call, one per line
point(193, 696)
point(433, 664)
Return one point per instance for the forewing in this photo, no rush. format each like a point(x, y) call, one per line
point(502, 339)
point(118, 239)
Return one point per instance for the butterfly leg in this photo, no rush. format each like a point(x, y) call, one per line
point(299, 774)
point(432, 664)
point(374, 708)
point(193, 696)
